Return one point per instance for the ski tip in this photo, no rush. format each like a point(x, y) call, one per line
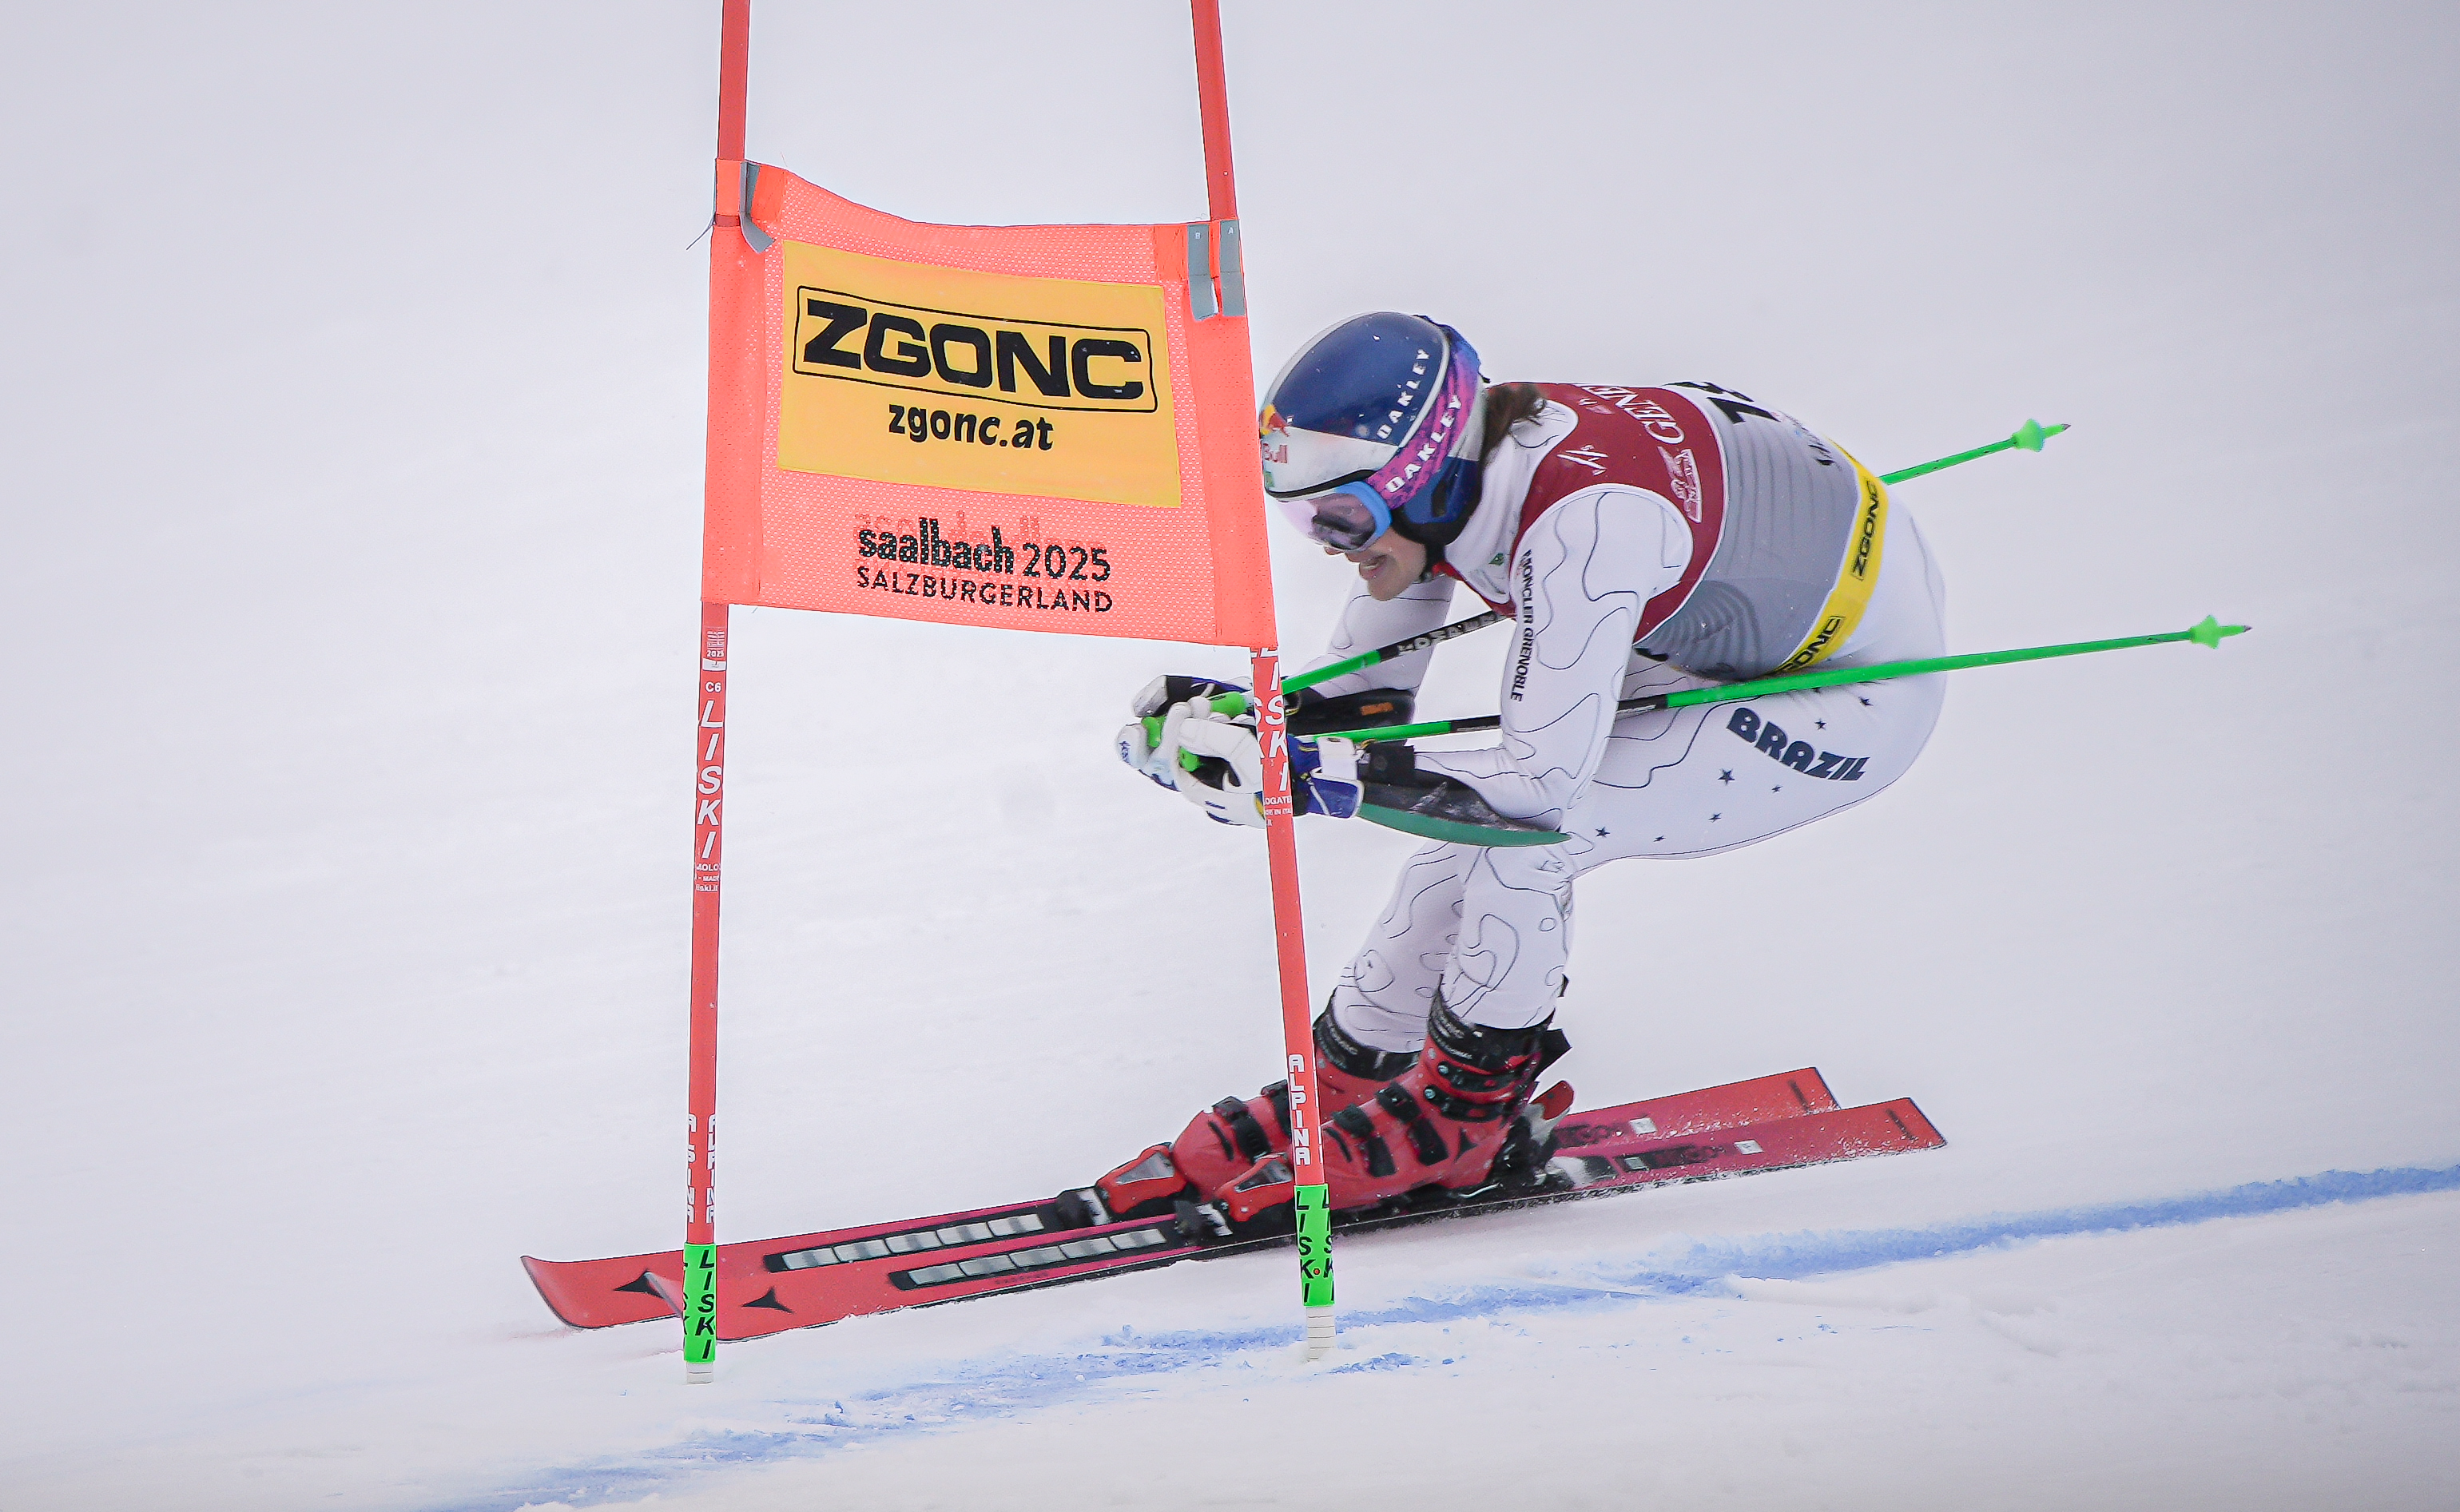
point(1915, 1124)
point(539, 1274)
point(2210, 632)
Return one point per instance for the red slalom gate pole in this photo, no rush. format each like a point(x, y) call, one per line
point(1213, 108)
point(709, 791)
point(700, 1120)
point(1281, 835)
point(1313, 1213)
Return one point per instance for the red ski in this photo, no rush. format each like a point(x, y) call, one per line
point(768, 1286)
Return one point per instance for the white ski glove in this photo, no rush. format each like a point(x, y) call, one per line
point(1139, 742)
point(1230, 787)
point(1196, 737)
point(1235, 794)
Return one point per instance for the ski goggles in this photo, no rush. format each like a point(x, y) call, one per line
point(1344, 518)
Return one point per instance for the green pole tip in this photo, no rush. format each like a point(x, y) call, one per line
point(2211, 632)
point(2032, 433)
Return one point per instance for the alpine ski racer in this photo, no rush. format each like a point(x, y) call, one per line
point(1642, 540)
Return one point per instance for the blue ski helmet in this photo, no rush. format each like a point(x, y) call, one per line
point(1359, 430)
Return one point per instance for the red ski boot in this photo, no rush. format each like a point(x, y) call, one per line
point(1459, 1125)
point(1227, 1139)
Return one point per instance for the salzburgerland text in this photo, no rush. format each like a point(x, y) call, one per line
point(1001, 595)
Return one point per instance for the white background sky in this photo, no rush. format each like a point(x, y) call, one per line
point(350, 455)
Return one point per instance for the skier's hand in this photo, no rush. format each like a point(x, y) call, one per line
point(1157, 697)
point(1196, 737)
point(1140, 743)
point(1221, 770)
point(1325, 774)
point(1136, 744)
point(1228, 780)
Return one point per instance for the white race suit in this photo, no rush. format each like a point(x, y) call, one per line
point(1737, 562)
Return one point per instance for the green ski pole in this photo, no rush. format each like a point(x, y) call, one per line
point(2210, 633)
point(2028, 437)
point(1398, 648)
point(1234, 705)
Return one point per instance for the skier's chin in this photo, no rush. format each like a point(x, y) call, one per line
point(1386, 572)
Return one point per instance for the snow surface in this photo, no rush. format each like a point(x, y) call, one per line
point(352, 456)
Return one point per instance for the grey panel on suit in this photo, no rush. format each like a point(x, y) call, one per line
point(1790, 506)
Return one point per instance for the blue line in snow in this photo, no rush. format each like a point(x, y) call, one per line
point(995, 1387)
point(1793, 1257)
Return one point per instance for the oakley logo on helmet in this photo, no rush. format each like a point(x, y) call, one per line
point(1429, 452)
point(1372, 411)
point(1409, 392)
